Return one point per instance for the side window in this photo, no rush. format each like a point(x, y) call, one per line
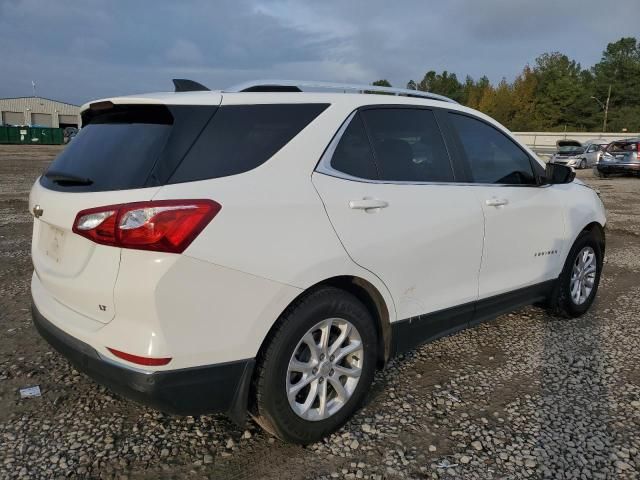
point(353, 154)
point(239, 138)
point(592, 148)
point(408, 145)
point(493, 157)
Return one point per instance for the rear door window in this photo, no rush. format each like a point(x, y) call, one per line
point(408, 145)
point(240, 138)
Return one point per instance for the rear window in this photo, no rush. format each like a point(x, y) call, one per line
point(126, 146)
point(240, 138)
point(622, 147)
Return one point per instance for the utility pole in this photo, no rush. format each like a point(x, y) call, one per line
point(605, 107)
point(606, 110)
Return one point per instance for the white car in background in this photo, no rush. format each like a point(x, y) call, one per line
point(577, 155)
point(593, 152)
point(265, 249)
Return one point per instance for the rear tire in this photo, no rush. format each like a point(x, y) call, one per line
point(296, 353)
point(577, 285)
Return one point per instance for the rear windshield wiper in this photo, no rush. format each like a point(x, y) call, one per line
point(62, 178)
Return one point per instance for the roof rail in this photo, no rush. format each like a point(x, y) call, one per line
point(295, 85)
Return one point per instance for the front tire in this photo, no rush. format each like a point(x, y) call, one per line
point(583, 164)
point(600, 173)
point(578, 283)
point(317, 366)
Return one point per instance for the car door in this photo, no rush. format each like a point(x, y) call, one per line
point(387, 183)
point(591, 154)
point(524, 220)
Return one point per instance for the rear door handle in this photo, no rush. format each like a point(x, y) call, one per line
point(497, 202)
point(367, 204)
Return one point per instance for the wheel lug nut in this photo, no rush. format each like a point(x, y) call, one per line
point(322, 356)
point(321, 379)
point(331, 358)
point(331, 372)
point(314, 371)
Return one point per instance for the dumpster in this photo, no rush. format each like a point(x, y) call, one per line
point(31, 135)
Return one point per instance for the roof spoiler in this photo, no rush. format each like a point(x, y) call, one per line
point(185, 85)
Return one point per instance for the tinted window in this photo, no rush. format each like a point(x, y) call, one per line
point(408, 145)
point(126, 146)
point(241, 137)
point(353, 154)
point(493, 157)
point(111, 153)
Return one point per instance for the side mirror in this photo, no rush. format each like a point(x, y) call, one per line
point(556, 174)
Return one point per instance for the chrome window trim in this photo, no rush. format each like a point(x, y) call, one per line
point(324, 167)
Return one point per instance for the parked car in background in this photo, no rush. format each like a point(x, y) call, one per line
point(569, 153)
point(593, 151)
point(266, 249)
point(622, 156)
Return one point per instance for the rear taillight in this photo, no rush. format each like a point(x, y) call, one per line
point(161, 226)
point(638, 151)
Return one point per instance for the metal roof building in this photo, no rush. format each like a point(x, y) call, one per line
point(38, 111)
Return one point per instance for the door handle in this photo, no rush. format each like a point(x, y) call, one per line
point(497, 202)
point(367, 204)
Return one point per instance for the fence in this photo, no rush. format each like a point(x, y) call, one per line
point(545, 142)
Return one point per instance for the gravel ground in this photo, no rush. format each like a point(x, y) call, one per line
point(523, 396)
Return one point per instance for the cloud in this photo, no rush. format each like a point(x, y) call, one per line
point(184, 52)
point(84, 50)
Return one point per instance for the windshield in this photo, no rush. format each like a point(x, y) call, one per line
point(570, 149)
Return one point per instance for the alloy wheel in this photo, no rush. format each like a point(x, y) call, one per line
point(324, 369)
point(583, 275)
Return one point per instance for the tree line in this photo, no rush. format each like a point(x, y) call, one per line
point(555, 93)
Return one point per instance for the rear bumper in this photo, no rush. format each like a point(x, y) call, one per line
point(186, 391)
point(619, 167)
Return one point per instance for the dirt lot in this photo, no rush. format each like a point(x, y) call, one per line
point(526, 395)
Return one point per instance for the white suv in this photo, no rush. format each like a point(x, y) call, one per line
point(265, 249)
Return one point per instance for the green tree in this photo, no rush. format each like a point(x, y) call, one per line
point(481, 94)
point(444, 83)
point(560, 97)
point(620, 69)
point(524, 101)
point(555, 93)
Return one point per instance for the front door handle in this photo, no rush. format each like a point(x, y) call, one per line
point(497, 202)
point(367, 204)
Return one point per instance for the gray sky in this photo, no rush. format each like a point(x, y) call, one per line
point(81, 50)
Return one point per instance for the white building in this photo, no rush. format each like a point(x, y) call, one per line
point(38, 111)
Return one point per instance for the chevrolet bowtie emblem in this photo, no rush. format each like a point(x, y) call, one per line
point(37, 211)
